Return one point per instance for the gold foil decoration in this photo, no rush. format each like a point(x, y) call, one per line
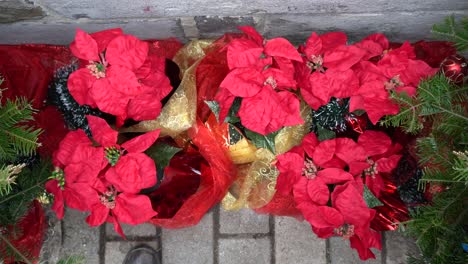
point(179, 113)
point(256, 181)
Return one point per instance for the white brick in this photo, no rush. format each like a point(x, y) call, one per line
point(398, 247)
point(117, 250)
point(341, 252)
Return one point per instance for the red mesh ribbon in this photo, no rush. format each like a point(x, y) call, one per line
point(32, 229)
point(207, 171)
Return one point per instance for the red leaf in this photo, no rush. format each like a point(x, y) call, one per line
point(103, 37)
point(132, 173)
point(133, 209)
point(243, 82)
point(243, 53)
point(333, 40)
point(290, 167)
point(144, 107)
point(318, 191)
point(127, 51)
point(313, 46)
point(102, 132)
point(99, 214)
point(79, 83)
point(342, 58)
point(252, 33)
point(324, 152)
point(374, 142)
point(112, 102)
point(84, 46)
point(280, 47)
point(334, 176)
point(141, 143)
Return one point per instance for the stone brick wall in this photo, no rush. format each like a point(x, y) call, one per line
point(54, 21)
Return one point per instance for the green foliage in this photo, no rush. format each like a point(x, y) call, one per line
point(162, 153)
point(28, 186)
point(8, 174)
point(452, 31)
point(439, 114)
point(17, 138)
point(261, 141)
point(370, 198)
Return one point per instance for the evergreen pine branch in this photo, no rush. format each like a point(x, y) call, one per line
point(452, 31)
point(408, 118)
point(16, 138)
point(8, 176)
point(460, 166)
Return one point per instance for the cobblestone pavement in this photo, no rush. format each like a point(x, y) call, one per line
point(220, 238)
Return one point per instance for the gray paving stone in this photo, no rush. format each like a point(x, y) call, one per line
point(192, 245)
point(116, 250)
point(143, 230)
point(242, 222)
point(398, 247)
point(245, 251)
point(341, 253)
point(79, 238)
point(50, 252)
point(296, 243)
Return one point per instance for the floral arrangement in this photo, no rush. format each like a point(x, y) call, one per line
point(161, 131)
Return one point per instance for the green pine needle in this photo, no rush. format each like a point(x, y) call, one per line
point(452, 31)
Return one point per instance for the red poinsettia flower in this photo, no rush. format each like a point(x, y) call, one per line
point(254, 51)
point(116, 207)
point(120, 78)
point(131, 170)
point(382, 157)
point(374, 45)
point(267, 104)
point(326, 71)
point(349, 217)
point(398, 70)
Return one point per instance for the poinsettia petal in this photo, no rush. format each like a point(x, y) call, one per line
point(318, 191)
point(388, 164)
point(363, 252)
point(79, 83)
point(321, 216)
point(350, 202)
point(142, 142)
point(103, 37)
point(334, 176)
point(375, 184)
point(257, 112)
point(289, 108)
point(319, 88)
point(313, 46)
point(133, 209)
point(349, 151)
point(132, 173)
point(252, 33)
point(108, 101)
point(157, 84)
point(101, 131)
point(325, 232)
point(243, 82)
point(343, 57)
point(290, 167)
point(374, 142)
point(80, 196)
point(225, 100)
point(243, 53)
point(342, 84)
point(52, 186)
point(127, 51)
point(117, 227)
point(281, 79)
point(84, 46)
point(281, 47)
point(357, 167)
point(324, 152)
point(99, 214)
point(68, 145)
point(123, 80)
point(144, 107)
point(309, 142)
point(333, 40)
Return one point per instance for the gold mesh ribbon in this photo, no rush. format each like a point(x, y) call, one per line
point(256, 181)
point(178, 114)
